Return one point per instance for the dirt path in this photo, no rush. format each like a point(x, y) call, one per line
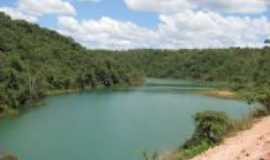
point(252, 144)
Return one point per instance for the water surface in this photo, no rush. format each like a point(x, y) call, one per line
point(111, 124)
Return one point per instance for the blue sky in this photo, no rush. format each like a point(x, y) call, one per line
point(91, 10)
point(123, 24)
point(115, 9)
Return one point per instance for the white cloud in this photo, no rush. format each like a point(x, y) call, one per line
point(182, 23)
point(169, 6)
point(16, 14)
point(234, 6)
point(187, 29)
point(31, 10)
point(42, 7)
point(106, 33)
point(160, 6)
point(95, 1)
point(208, 29)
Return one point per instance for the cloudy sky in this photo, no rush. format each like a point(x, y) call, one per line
point(123, 24)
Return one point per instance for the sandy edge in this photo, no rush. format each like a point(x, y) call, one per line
point(251, 144)
point(227, 94)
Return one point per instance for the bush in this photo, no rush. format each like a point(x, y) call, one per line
point(211, 127)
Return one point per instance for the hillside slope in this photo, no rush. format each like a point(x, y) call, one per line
point(35, 61)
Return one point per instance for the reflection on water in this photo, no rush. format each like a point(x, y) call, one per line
point(170, 86)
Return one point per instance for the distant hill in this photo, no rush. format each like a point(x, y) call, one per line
point(240, 67)
point(35, 62)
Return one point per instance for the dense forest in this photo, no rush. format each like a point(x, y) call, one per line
point(35, 62)
point(245, 70)
point(239, 66)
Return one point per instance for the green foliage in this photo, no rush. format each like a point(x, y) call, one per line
point(260, 94)
point(190, 152)
point(263, 96)
point(211, 127)
point(35, 61)
point(239, 67)
point(260, 112)
point(245, 70)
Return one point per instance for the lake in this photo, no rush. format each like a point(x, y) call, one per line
point(112, 124)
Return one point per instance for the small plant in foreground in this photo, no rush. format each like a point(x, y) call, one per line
point(211, 127)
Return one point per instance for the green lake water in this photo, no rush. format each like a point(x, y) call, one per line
point(111, 124)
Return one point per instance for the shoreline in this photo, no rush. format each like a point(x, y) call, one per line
point(8, 112)
point(249, 144)
point(221, 93)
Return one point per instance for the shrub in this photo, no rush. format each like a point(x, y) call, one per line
point(211, 127)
